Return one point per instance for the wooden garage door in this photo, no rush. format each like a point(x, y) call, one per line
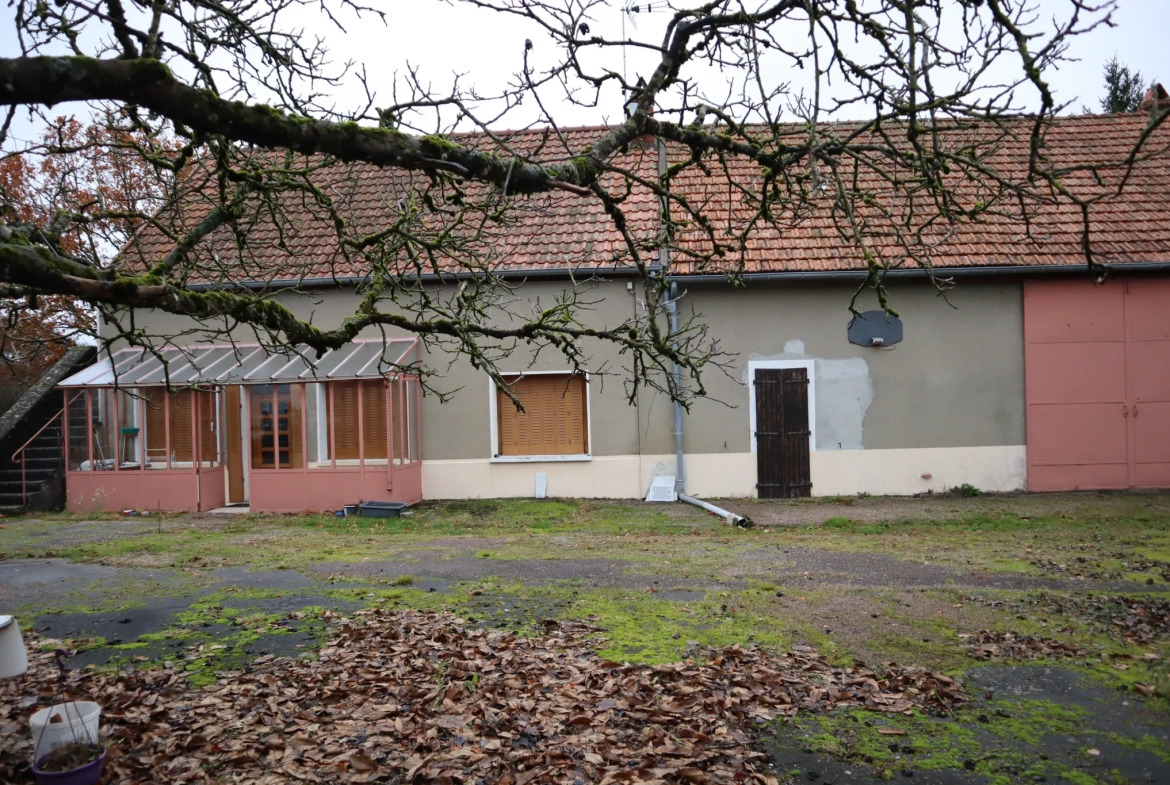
point(1097, 360)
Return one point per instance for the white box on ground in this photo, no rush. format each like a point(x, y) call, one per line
point(662, 490)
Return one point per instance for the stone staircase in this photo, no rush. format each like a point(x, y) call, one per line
point(37, 416)
point(43, 465)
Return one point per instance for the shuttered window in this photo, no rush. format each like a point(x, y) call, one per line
point(345, 420)
point(182, 435)
point(373, 419)
point(554, 420)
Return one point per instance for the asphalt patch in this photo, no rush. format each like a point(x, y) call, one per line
point(796, 565)
point(591, 572)
point(1103, 746)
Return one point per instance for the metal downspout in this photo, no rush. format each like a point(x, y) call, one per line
point(680, 472)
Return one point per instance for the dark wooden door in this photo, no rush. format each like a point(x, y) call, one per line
point(782, 433)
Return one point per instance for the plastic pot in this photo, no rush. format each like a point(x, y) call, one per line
point(83, 775)
point(79, 723)
point(13, 656)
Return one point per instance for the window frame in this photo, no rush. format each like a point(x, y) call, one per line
point(493, 398)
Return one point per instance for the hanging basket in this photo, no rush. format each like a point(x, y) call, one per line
point(74, 753)
point(74, 722)
point(85, 774)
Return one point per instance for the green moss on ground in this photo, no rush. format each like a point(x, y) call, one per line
point(999, 739)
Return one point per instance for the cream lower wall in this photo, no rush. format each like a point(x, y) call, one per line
point(899, 472)
point(722, 475)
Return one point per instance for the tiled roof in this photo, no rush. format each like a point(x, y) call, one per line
point(1132, 227)
point(561, 231)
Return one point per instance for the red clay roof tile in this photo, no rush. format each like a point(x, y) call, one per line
point(561, 231)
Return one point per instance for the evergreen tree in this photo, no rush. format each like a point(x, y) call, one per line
point(1124, 88)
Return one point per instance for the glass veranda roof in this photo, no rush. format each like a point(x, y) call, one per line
point(245, 363)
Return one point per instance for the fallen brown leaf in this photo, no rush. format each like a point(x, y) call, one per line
point(411, 697)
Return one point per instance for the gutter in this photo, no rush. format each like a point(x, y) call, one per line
point(356, 280)
point(996, 271)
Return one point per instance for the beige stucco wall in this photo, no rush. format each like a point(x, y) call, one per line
point(956, 380)
point(947, 401)
point(459, 428)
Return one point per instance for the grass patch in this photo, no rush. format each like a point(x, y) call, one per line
point(999, 739)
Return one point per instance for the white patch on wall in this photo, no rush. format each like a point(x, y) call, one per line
point(844, 393)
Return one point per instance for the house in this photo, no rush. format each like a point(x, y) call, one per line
point(1028, 374)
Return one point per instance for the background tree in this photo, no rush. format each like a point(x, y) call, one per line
point(1123, 89)
point(897, 135)
point(82, 190)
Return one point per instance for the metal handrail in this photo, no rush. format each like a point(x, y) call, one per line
point(20, 460)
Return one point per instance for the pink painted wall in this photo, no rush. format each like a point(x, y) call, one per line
point(156, 489)
point(1097, 365)
point(314, 490)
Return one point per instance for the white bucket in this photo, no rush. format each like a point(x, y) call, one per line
point(79, 723)
point(13, 657)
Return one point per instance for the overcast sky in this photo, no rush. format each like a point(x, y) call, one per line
point(441, 39)
point(444, 38)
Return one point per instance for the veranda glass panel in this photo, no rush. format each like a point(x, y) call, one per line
point(317, 422)
point(209, 430)
point(129, 430)
point(154, 427)
point(398, 422)
point(105, 431)
point(412, 420)
point(78, 441)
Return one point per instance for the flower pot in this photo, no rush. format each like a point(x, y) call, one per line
point(86, 774)
point(13, 657)
point(79, 724)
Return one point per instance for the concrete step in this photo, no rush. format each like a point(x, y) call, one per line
point(38, 474)
point(35, 450)
point(14, 488)
point(49, 462)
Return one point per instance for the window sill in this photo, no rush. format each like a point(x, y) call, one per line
point(349, 463)
point(539, 458)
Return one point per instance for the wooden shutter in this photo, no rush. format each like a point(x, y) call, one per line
point(345, 420)
point(554, 418)
point(156, 424)
point(374, 418)
point(182, 441)
point(209, 451)
point(296, 417)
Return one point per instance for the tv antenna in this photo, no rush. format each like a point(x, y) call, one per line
point(632, 10)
